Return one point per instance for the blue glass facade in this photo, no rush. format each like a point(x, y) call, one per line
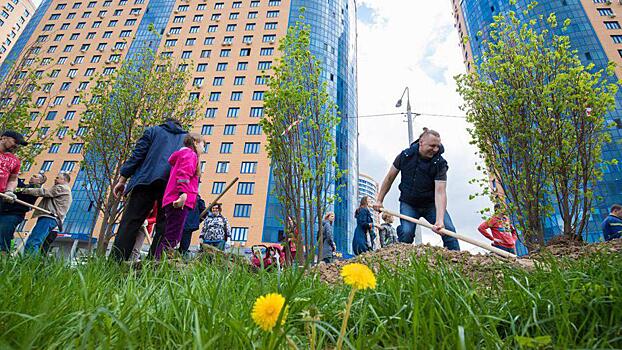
point(333, 42)
point(478, 15)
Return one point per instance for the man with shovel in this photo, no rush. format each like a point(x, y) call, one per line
point(9, 163)
point(55, 203)
point(12, 214)
point(422, 188)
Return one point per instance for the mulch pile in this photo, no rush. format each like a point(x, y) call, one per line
point(479, 267)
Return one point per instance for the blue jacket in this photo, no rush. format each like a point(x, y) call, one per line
point(612, 227)
point(149, 160)
point(363, 226)
point(193, 220)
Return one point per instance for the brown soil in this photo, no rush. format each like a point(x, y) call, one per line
point(481, 267)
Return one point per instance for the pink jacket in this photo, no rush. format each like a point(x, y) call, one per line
point(183, 177)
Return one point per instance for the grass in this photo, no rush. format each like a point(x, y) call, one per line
point(561, 304)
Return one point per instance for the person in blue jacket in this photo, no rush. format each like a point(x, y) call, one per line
point(612, 225)
point(193, 221)
point(147, 170)
point(364, 226)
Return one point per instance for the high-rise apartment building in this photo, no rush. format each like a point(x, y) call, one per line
point(596, 33)
point(228, 44)
point(14, 16)
point(368, 186)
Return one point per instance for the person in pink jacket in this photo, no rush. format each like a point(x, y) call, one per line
point(181, 191)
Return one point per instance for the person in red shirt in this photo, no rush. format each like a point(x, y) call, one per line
point(503, 233)
point(9, 163)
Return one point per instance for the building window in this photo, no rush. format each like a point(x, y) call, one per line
point(245, 52)
point(260, 80)
point(256, 112)
point(225, 53)
point(212, 29)
point(238, 81)
point(229, 129)
point(208, 41)
point(248, 168)
point(47, 165)
point(253, 129)
point(242, 65)
point(251, 147)
point(617, 39)
point(70, 115)
point(206, 54)
point(258, 96)
point(68, 166)
point(214, 96)
point(236, 95)
point(250, 26)
point(255, 3)
point(211, 112)
point(54, 148)
point(75, 148)
point(51, 115)
point(194, 29)
point(246, 188)
point(264, 65)
point(221, 66)
point(605, 12)
point(207, 129)
point(239, 234)
point(222, 167)
point(612, 25)
point(242, 210)
point(219, 5)
point(198, 82)
point(252, 15)
point(236, 5)
point(233, 112)
point(266, 51)
point(273, 14)
point(270, 26)
point(201, 67)
point(230, 27)
point(225, 147)
point(234, 15)
point(218, 187)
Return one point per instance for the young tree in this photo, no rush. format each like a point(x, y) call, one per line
point(18, 88)
point(300, 129)
point(142, 92)
point(527, 102)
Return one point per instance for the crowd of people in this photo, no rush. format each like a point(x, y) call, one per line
point(159, 184)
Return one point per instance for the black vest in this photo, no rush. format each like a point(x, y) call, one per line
point(417, 185)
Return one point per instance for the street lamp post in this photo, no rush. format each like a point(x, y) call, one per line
point(418, 238)
point(408, 113)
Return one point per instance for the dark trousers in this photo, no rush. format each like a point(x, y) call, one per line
point(406, 233)
point(137, 209)
point(186, 239)
point(175, 220)
point(8, 224)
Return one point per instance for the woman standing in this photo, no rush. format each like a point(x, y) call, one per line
point(364, 226)
point(328, 244)
point(181, 191)
point(216, 229)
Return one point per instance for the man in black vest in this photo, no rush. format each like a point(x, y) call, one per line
point(423, 187)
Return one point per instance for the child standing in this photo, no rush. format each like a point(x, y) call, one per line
point(388, 234)
point(181, 191)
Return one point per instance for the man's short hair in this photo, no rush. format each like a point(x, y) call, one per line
point(427, 131)
point(66, 176)
point(616, 207)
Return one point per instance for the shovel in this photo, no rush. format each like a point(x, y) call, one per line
point(461, 237)
point(46, 212)
point(209, 207)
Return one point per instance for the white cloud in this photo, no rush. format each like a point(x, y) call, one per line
point(414, 44)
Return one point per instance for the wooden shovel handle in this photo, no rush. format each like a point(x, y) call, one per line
point(461, 237)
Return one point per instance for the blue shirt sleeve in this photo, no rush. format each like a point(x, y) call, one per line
point(138, 154)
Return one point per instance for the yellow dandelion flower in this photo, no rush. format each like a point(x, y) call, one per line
point(358, 276)
point(266, 310)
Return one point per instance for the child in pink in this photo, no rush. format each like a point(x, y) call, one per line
point(181, 191)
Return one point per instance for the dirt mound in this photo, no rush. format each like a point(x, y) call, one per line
point(480, 267)
point(562, 247)
point(486, 268)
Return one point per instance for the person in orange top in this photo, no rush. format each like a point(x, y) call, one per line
point(503, 233)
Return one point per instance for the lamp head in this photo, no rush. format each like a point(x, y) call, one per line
point(399, 103)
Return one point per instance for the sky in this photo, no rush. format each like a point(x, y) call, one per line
point(414, 43)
